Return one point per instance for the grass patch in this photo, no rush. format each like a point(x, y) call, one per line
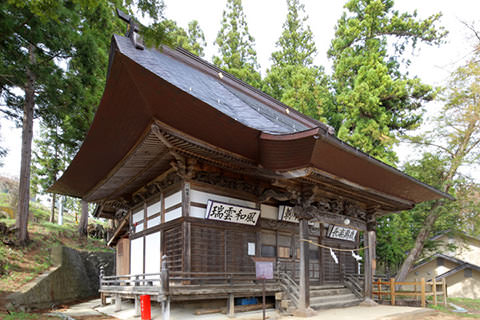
point(25, 316)
point(19, 265)
point(471, 305)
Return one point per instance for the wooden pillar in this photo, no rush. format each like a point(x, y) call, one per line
point(304, 301)
point(369, 239)
point(422, 292)
point(187, 228)
point(370, 262)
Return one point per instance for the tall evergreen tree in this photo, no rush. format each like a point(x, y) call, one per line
point(192, 40)
point(196, 39)
point(296, 43)
point(47, 163)
point(37, 39)
point(375, 99)
point(236, 45)
point(293, 78)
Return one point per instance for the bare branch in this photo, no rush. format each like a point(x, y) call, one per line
point(431, 144)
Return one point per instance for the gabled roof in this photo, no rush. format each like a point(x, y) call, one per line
point(461, 267)
point(156, 101)
point(437, 256)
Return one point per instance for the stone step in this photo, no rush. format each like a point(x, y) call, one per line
point(326, 286)
point(326, 299)
point(329, 292)
point(336, 303)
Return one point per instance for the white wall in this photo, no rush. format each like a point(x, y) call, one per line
point(154, 208)
point(202, 197)
point(136, 256)
point(138, 215)
point(173, 199)
point(152, 253)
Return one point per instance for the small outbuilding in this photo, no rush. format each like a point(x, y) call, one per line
point(457, 260)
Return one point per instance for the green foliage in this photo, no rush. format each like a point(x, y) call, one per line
point(236, 46)
point(394, 238)
point(192, 40)
point(296, 42)
point(375, 99)
point(293, 79)
point(396, 234)
point(47, 161)
point(453, 142)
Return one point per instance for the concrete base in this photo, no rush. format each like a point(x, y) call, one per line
point(368, 303)
point(304, 313)
point(187, 312)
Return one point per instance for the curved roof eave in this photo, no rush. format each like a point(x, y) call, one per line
point(309, 150)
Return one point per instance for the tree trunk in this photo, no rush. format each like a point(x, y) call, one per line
point(61, 209)
point(419, 242)
point(27, 135)
point(52, 210)
point(54, 195)
point(83, 225)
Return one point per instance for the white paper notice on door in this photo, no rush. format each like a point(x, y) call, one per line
point(251, 248)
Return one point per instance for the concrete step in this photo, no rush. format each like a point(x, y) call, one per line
point(353, 301)
point(326, 286)
point(329, 292)
point(339, 297)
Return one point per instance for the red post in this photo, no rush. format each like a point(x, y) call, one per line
point(145, 308)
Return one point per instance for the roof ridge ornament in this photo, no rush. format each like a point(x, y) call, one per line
point(132, 29)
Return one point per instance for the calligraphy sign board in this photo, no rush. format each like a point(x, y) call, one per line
point(264, 268)
point(231, 213)
point(342, 233)
point(285, 213)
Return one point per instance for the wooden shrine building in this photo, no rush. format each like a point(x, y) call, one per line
point(199, 168)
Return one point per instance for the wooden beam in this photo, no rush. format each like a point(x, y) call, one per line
point(338, 219)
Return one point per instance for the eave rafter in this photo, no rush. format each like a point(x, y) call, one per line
point(159, 149)
point(366, 198)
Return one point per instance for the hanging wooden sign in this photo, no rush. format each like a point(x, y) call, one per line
point(342, 233)
point(231, 213)
point(285, 213)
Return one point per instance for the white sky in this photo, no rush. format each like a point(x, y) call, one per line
point(265, 19)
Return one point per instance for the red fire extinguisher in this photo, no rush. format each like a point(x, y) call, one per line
point(145, 307)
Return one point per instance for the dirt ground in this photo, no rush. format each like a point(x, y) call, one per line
point(38, 316)
point(434, 315)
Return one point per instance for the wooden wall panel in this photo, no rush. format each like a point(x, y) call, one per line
point(174, 248)
point(238, 259)
point(207, 249)
point(123, 257)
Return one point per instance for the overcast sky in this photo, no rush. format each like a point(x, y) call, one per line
point(265, 19)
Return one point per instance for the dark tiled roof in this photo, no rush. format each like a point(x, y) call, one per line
point(218, 94)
